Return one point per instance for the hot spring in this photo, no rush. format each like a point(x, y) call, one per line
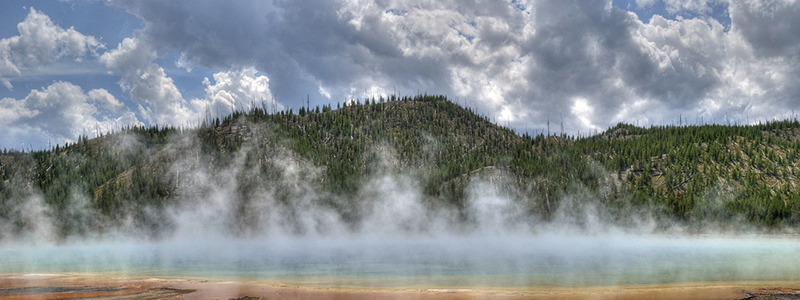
point(453, 261)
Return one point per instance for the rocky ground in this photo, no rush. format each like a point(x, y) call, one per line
point(772, 294)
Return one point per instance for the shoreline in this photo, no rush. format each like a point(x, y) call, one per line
point(60, 286)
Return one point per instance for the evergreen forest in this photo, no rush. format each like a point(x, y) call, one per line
point(694, 176)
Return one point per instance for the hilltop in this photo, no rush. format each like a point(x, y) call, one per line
point(700, 176)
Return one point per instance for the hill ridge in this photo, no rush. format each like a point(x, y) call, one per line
point(702, 175)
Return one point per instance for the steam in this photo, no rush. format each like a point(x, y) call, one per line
point(264, 214)
point(390, 202)
point(265, 190)
point(25, 215)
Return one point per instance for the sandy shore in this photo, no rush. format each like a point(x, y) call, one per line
point(56, 286)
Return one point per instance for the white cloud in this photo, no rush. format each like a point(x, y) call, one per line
point(41, 42)
point(158, 98)
point(160, 101)
point(130, 58)
point(645, 3)
point(12, 110)
point(60, 113)
point(700, 7)
point(515, 63)
point(472, 52)
point(519, 63)
point(7, 83)
point(106, 101)
point(324, 92)
point(584, 112)
point(236, 90)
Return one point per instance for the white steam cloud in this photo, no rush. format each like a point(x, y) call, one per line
point(231, 223)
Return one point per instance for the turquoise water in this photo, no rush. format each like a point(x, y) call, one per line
point(451, 261)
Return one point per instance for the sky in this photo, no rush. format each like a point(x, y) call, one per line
point(82, 67)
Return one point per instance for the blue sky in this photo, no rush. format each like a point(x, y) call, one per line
point(718, 10)
point(76, 67)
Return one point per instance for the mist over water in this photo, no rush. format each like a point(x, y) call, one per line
point(288, 230)
point(456, 261)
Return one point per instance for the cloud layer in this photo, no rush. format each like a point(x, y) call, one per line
point(39, 43)
point(60, 113)
point(522, 63)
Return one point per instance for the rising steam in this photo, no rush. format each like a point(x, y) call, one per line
point(231, 221)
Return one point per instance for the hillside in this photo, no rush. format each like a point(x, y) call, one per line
point(345, 159)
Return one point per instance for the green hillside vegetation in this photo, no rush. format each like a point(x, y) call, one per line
point(699, 176)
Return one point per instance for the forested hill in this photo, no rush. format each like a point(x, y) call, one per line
point(323, 157)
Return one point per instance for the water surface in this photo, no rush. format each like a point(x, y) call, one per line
point(452, 261)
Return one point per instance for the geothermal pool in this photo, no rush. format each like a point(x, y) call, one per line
point(514, 261)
